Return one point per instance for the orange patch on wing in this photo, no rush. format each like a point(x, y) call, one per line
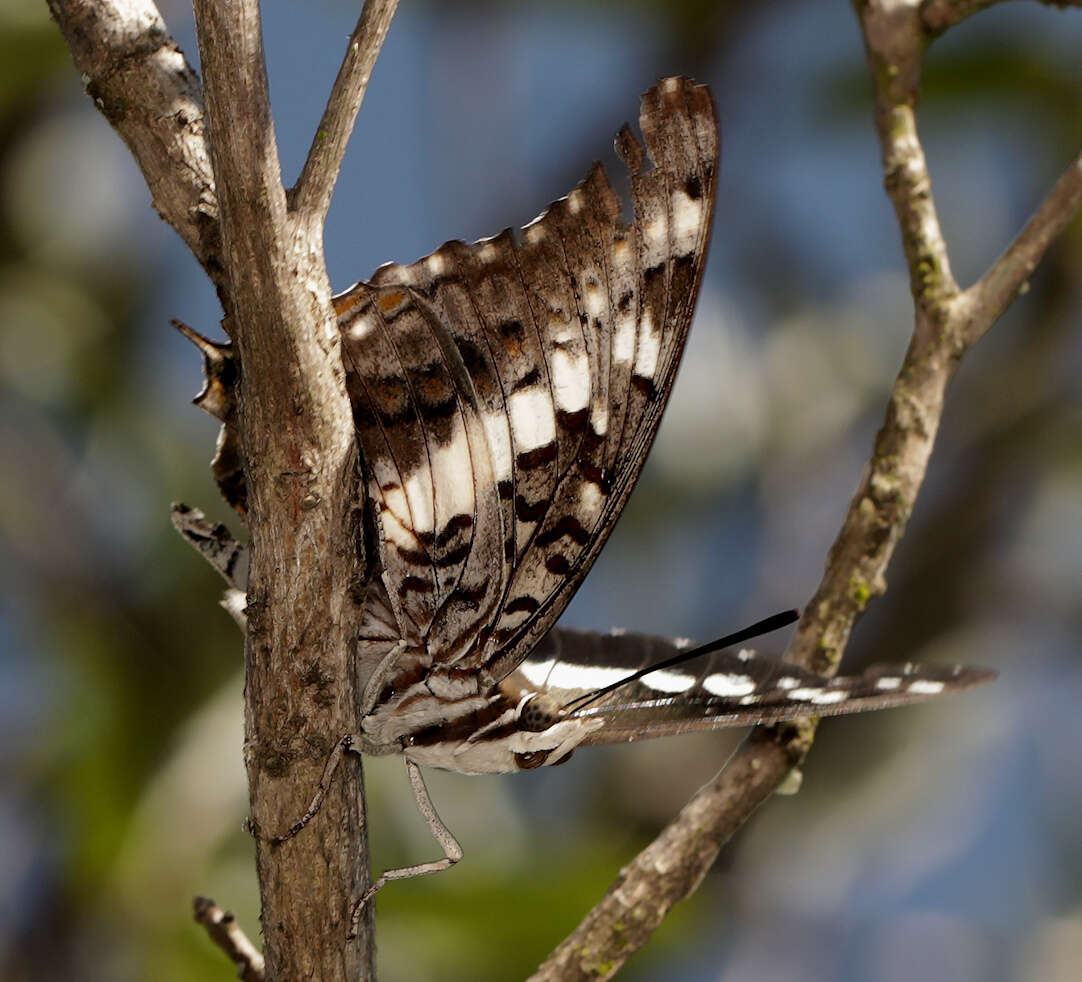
point(346, 302)
point(388, 301)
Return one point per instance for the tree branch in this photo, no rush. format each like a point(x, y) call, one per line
point(947, 323)
point(226, 933)
point(314, 188)
point(140, 81)
point(296, 429)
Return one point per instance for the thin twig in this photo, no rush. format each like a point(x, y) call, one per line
point(981, 304)
point(946, 324)
point(312, 193)
point(226, 933)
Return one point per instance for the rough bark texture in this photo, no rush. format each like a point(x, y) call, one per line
point(304, 586)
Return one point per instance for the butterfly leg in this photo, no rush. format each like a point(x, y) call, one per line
point(452, 851)
point(344, 744)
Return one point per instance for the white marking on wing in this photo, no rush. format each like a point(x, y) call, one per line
point(395, 521)
point(498, 434)
point(596, 301)
point(396, 531)
point(786, 682)
point(562, 329)
point(436, 264)
point(590, 496)
point(649, 346)
point(570, 380)
point(623, 340)
point(452, 470)
point(419, 496)
point(574, 202)
point(532, 419)
point(806, 694)
point(925, 687)
point(830, 696)
point(511, 619)
point(687, 218)
point(567, 676)
point(599, 419)
point(361, 327)
point(657, 231)
point(726, 684)
point(534, 233)
point(665, 681)
point(888, 682)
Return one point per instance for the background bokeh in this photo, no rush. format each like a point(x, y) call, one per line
point(940, 842)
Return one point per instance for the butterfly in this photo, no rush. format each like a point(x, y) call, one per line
point(505, 395)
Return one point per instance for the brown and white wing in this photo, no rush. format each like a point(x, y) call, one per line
point(507, 392)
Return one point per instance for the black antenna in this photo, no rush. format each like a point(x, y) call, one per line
point(772, 623)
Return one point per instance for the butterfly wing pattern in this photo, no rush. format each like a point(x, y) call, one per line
point(505, 394)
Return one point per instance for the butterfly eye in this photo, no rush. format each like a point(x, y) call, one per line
point(538, 713)
point(528, 761)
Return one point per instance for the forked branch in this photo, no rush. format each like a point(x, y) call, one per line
point(947, 322)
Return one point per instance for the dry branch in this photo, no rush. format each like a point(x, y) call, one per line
point(296, 428)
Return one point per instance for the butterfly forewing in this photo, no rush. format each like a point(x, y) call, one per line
point(507, 392)
point(725, 688)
